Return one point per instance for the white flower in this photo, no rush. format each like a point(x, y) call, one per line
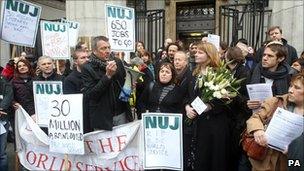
point(217, 94)
point(224, 92)
point(216, 87)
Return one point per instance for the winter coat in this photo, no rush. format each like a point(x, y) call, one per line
point(23, 93)
point(103, 92)
point(73, 83)
point(6, 97)
point(274, 160)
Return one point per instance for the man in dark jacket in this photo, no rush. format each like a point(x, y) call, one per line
point(272, 70)
point(6, 97)
point(46, 66)
point(104, 77)
point(275, 34)
point(73, 83)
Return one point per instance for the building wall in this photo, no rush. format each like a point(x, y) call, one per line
point(289, 16)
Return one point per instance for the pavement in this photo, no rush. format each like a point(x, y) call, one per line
point(11, 157)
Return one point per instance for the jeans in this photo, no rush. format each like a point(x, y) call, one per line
point(3, 154)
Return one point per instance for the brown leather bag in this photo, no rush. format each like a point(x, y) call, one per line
point(252, 148)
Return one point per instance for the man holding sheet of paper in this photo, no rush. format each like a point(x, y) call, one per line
point(284, 125)
point(271, 70)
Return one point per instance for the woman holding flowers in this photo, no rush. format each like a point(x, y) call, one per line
point(212, 131)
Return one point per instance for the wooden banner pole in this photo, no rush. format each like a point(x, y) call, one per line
point(57, 67)
point(66, 162)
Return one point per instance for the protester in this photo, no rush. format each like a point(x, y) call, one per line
point(82, 46)
point(273, 70)
point(191, 54)
point(223, 49)
point(161, 52)
point(172, 48)
point(293, 102)
point(240, 112)
point(247, 52)
point(275, 34)
point(6, 93)
point(298, 65)
point(73, 84)
point(23, 86)
point(296, 96)
point(212, 129)
point(163, 96)
point(148, 77)
point(103, 77)
point(184, 80)
point(136, 57)
point(47, 72)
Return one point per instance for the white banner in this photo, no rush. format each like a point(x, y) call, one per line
point(66, 124)
point(104, 150)
point(19, 22)
point(73, 31)
point(120, 27)
point(42, 90)
point(55, 40)
point(163, 141)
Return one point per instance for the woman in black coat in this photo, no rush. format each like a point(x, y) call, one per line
point(164, 95)
point(240, 112)
point(212, 126)
point(23, 86)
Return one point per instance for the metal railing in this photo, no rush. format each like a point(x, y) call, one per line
point(249, 21)
point(150, 28)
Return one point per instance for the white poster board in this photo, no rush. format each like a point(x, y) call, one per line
point(19, 22)
point(55, 40)
point(104, 150)
point(163, 141)
point(42, 90)
point(73, 31)
point(65, 126)
point(120, 27)
point(215, 40)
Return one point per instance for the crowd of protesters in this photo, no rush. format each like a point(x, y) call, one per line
point(211, 141)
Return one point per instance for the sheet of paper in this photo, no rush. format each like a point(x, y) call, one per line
point(198, 105)
point(259, 91)
point(283, 128)
point(215, 40)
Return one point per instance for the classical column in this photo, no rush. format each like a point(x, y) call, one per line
point(91, 16)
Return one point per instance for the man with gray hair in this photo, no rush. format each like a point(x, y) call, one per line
point(46, 66)
point(103, 77)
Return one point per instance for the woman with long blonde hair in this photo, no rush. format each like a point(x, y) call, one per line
point(212, 126)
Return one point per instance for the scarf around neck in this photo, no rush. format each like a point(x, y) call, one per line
point(280, 77)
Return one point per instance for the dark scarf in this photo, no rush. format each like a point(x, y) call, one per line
point(280, 77)
point(96, 61)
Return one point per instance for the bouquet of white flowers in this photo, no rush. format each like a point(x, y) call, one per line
point(218, 83)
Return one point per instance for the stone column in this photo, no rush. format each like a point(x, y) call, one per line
point(91, 16)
